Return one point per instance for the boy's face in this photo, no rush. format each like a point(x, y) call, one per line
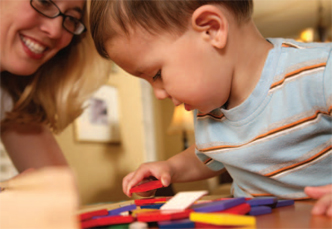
point(185, 68)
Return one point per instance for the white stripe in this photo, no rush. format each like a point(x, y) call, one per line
point(301, 74)
point(268, 138)
point(320, 158)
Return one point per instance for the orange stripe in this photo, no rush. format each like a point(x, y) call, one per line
point(209, 114)
point(300, 163)
point(297, 71)
point(268, 133)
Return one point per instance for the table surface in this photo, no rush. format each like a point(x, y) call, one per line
point(294, 216)
point(288, 217)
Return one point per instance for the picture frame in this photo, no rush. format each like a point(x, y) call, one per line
point(100, 120)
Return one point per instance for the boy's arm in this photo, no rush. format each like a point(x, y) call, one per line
point(31, 146)
point(187, 167)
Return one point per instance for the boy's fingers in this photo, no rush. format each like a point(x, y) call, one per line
point(323, 206)
point(317, 192)
point(125, 182)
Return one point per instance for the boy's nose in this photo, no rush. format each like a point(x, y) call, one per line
point(53, 27)
point(160, 93)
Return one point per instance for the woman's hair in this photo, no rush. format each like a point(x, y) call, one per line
point(55, 94)
point(152, 15)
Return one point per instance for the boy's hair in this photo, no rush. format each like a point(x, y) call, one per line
point(55, 93)
point(152, 15)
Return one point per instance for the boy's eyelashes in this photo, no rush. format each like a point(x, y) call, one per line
point(157, 76)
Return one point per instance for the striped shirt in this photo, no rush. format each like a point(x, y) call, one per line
point(279, 139)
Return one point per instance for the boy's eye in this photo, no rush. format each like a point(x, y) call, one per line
point(157, 76)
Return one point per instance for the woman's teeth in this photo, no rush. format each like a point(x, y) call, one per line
point(34, 47)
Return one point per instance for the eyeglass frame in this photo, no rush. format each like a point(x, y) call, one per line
point(64, 16)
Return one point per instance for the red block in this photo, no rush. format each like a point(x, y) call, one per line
point(89, 215)
point(105, 221)
point(151, 185)
point(147, 201)
point(156, 216)
point(240, 209)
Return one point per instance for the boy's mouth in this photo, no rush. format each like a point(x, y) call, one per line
point(187, 107)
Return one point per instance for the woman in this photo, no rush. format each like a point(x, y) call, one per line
point(43, 48)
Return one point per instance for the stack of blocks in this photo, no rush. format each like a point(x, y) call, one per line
point(184, 210)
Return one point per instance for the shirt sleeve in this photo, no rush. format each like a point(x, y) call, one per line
point(209, 162)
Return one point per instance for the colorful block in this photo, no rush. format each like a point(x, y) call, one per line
point(241, 209)
point(182, 223)
point(222, 219)
point(260, 210)
point(156, 216)
point(89, 215)
point(183, 200)
point(147, 201)
point(283, 203)
point(218, 205)
point(152, 206)
point(109, 220)
point(151, 185)
point(258, 201)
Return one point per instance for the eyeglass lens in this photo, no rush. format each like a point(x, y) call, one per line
point(50, 9)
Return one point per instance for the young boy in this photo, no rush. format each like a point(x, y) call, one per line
point(262, 107)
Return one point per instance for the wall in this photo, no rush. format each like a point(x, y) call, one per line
point(100, 167)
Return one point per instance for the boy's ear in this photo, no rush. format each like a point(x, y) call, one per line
point(212, 23)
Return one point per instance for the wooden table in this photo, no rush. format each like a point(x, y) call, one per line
point(289, 217)
point(294, 216)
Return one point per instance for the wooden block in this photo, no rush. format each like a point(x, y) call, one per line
point(222, 219)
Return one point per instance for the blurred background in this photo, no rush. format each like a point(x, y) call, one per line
point(148, 129)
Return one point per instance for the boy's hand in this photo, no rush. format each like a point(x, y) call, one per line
point(161, 170)
point(324, 202)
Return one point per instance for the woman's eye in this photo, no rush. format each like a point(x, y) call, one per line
point(157, 76)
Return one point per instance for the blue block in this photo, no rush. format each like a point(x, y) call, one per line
point(182, 223)
point(152, 206)
point(117, 211)
point(218, 205)
point(282, 203)
point(259, 201)
point(125, 208)
point(260, 210)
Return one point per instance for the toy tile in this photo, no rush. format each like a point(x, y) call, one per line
point(183, 200)
point(156, 216)
point(240, 209)
point(147, 201)
point(117, 211)
point(174, 224)
point(151, 185)
point(89, 215)
point(137, 211)
point(105, 221)
point(283, 203)
point(260, 210)
point(218, 205)
point(211, 226)
point(222, 219)
point(258, 201)
point(152, 206)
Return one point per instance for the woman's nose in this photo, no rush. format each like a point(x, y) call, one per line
point(53, 27)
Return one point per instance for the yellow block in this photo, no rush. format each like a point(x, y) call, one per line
point(137, 211)
point(222, 219)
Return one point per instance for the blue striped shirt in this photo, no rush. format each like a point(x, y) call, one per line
point(279, 139)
